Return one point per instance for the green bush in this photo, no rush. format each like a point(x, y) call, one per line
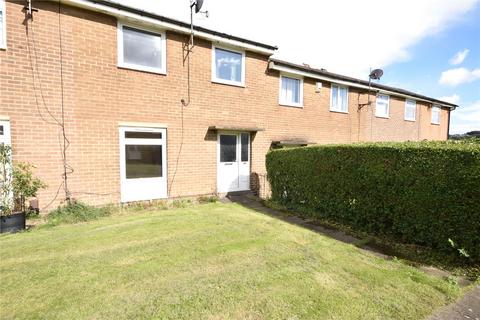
point(207, 199)
point(76, 212)
point(426, 193)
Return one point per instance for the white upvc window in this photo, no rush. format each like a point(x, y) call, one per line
point(339, 98)
point(228, 66)
point(3, 25)
point(382, 109)
point(436, 115)
point(410, 110)
point(5, 132)
point(141, 49)
point(291, 91)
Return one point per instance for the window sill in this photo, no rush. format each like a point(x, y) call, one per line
point(410, 120)
point(382, 117)
point(291, 105)
point(435, 124)
point(229, 83)
point(3, 48)
point(142, 69)
point(339, 111)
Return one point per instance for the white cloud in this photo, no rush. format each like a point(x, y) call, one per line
point(452, 99)
point(465, 119)
point(343, 36)
point(459, 57)
point(454, 77)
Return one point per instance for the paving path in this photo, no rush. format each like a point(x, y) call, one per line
point(467, 307)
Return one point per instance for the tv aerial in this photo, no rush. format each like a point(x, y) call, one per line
point(375, 74)
point(195, 5)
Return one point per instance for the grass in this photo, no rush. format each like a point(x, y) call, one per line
point(210, 261)
point(411, 253)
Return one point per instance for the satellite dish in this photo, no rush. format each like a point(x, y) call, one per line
point(376, 74)
point(198, 5)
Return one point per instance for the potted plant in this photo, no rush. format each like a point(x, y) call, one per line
point(17, 184)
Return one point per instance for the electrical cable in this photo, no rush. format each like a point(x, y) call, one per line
point(64, 142)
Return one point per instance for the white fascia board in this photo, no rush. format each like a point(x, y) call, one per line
point(273, 66)
point(120, 14)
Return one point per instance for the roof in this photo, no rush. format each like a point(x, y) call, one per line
point(335, 76)
point(179, 23)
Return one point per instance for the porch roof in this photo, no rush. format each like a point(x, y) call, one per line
point(235, 128)
point(292, 142)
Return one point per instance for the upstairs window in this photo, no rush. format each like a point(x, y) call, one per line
point(435, 115)
point(3, 26)
point(291, 91)
point(383, 106)
point(228, 66)
point(410, 110)
point(339, 98)
point(141, 49)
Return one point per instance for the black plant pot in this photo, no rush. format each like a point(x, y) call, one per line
point(12, 223)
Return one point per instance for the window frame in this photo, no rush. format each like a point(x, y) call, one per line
point(7, 134)
point(414, 107)
point(332, 108)
point(3, 9)
point(214, 67)
point(284, 103)
point(120, 57)
point(439, 110)
point(387, 116)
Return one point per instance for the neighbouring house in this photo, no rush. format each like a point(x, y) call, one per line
point(93, 89)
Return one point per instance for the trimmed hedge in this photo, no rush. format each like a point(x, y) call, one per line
point(416, 192)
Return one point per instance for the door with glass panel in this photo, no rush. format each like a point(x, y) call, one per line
point(143, 167)
point(233, 163)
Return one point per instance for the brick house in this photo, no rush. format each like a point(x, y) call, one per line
point(111, 79)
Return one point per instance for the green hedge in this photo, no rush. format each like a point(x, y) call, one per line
point(416, 192)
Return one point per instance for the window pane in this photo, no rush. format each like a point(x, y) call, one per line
point(410, 109)
point(143, 135)
point(228, 148)
point(1, 25)
point(228, 65)
point(334, 97)
point(142, 48)
point(435, 115)
point(290, 90)
point(382, 106)
point(143, 161)
point(344, 99)
point(245, 145)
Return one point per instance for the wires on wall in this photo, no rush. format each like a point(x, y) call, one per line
point(67, 169)
point(41, 104)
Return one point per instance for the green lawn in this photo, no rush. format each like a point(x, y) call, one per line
point(212, 261)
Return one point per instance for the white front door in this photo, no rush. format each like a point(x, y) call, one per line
point(5, 132)
point(233, 162)
point(143, 166)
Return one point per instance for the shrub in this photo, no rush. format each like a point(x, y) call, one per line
point(17, 183)
point(207, 199)
point(75, 212)
point(426, 193)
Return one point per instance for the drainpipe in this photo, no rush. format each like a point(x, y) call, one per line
point(448, 126)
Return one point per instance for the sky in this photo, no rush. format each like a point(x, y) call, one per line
point(431, 47)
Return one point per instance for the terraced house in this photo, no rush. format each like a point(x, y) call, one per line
point(110, 97)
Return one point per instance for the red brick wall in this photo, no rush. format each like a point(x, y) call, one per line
point(98, 95)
